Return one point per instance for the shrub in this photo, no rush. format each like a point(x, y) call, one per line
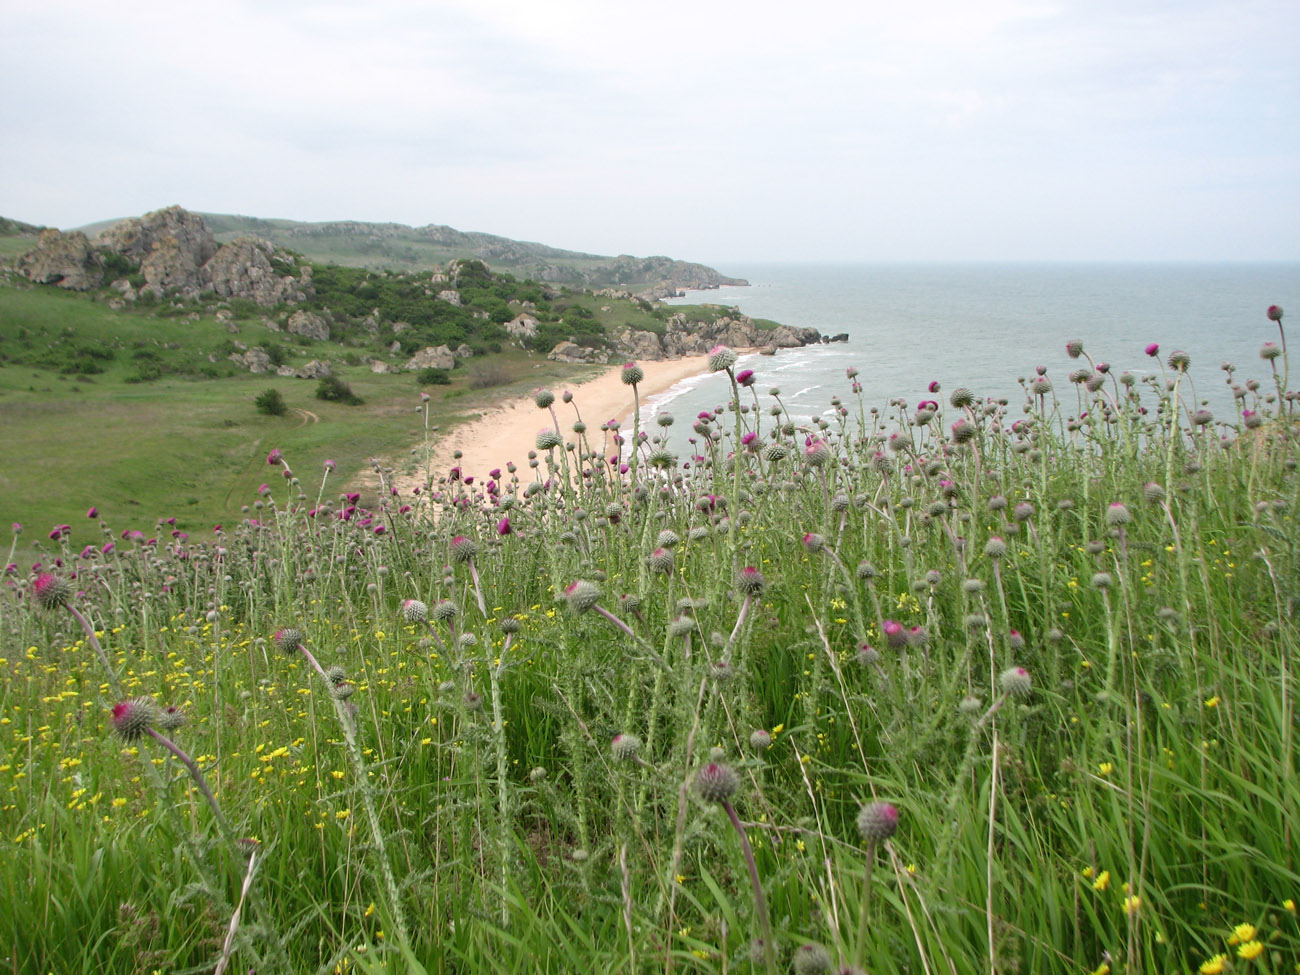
point(269, 402)
point(488, 374)
point(335, 390)
point(430, 376)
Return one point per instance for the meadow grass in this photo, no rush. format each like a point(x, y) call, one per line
point(961, 686)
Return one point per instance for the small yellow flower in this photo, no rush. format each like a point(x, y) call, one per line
point(1088, 872)
point(1102, 881)
point(1102, 969)
point(370, 909)
point(1105, 768)
point(1289, 905)
point(343, 814)
point(1244, 932)
point(1212, 702)
point(1132, 905)
point(1251, 949)
point(1213, 966)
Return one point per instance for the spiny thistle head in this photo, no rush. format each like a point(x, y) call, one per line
point(680, 626)
point(895, 634)
point(721, 357)
point(632, 374)
point(1102, 580)
point(667, 538)
point(995, 547)
point(170, 718)
point(509, 624)
point(760, 739)
point(1180, 360)
point(415, 611)
point(1016, 682)
point(581, 595)
point(543, 398)
point(963, 431)
point(286, 640)
point(961, 396)
point(445, 610)
point(868, 655)
point(817, 453)
point(811, 959)
point(51, 592)
point(133, 717)
point(813, 543)
point(716, 782)
point(867, 571)
point(624, 748)
point(774, 452)
point(1274, 313)
point(1153, 492)
point(877, 821)
point(547, 439)
point(1117, 514)
point(463, 549)
point(1074, 348)
point(1023, 511)
point(1269, 351)
point(750, 581)
point(661, 560)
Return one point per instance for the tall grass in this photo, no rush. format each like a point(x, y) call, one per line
point(519, 724)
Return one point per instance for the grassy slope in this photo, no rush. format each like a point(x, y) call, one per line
point(192, 449)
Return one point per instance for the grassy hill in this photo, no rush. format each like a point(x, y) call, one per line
point(140, 407)
point(394, 246)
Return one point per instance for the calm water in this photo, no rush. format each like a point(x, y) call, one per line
point(985, 325)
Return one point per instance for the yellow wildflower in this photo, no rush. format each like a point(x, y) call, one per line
point(1105, 768)
point(1251, 949)
point(1244, 932)
point(1132, 905)
point(1102, 881)
point(1289, 905)
point(1212, 702)
point(1213, 966)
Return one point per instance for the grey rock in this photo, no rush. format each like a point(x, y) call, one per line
point(429, 357)
point(450, 297)
point(63, 259)
point(309, 324)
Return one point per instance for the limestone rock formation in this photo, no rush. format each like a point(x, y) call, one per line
point(183, 232)
point(242, 269)
point(571, 352)
point(429, 357)
point(63, 259)
point(522, 326)
point(308, 324)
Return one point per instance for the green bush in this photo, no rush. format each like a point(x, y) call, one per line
point(430, 376)
point(269, 402)
point(332, 389)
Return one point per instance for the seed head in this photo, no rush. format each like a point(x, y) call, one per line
point(581, 595)
point(1016, 682)
point(1179, 360)
point(463, 549)
point(750, 581)
point(445, 610)
point(547, 439)
point(50, 591)
point(774, 452)
point(133, 717)
point(624, 748)
point(760, 740)
point(1274, 313)
point(721, 357)
point(632, 374)
point(287, 639)
point(716, 782)
point(811, 959)
point(877, 821)
point(661, 560)
point(961, 396)
point(1074, 348)
point(1117, 514)
point(543, 398)
point(415, 611)
point(170, 718)
point(995, 547)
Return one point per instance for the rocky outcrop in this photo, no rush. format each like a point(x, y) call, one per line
point(242, 269)
point(522, 326)
point(450, 297)
point(429, 357)
point(312, 370)
point(309, 324)
point(177, 255)
point(570, 352)
point(180, 231)
point(682, 337)
point(254, 360)
point(63, 259)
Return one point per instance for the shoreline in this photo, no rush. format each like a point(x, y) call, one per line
point(506, 433)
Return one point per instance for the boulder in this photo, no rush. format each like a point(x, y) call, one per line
point(254, 360)
point(429, 357)
point(381, 367)
point(63, 259)
point(571, 352)
point(450, 297)
point(242, 269)
point(171, 267)
point(637, 344)
point(313, 370)
point(309, 324)
point(522, 326)
point(463, 351)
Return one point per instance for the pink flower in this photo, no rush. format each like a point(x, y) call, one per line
point(92, 513)
point(934, 386)
point(329, 465)
point(273, 457)
point(503, 526)
point(1153, 349)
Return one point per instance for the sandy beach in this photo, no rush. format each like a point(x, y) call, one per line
point(508, 432)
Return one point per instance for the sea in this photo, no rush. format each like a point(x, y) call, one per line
point(985, 326)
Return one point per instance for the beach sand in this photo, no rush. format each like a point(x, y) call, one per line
point(508, 432)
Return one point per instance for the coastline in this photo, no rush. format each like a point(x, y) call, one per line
point(506, 433)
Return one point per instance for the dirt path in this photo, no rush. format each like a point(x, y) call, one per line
point(307, 416)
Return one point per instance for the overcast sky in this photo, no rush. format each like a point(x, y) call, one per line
point(712, 131)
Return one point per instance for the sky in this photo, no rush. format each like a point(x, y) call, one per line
point(722, 132)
